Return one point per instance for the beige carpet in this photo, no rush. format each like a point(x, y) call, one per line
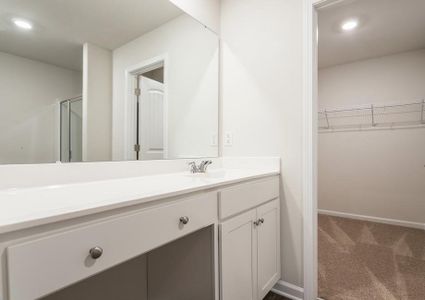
point(365, 260)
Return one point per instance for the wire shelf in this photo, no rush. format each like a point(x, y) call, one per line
point(369, 117)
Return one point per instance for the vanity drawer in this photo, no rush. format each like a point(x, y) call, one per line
point(244, 196)
point(42, 266)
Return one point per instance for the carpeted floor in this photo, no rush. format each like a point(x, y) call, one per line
point(361, 260)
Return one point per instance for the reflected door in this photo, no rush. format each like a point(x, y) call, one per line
point(71, 131)
point(151, 123)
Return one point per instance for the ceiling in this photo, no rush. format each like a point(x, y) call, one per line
point(385, 27)
point(62, 26)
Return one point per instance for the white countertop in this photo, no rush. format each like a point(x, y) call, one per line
point(22, 208)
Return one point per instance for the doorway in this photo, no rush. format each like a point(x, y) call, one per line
point(71, 124)
point(146, 128)
point(371, 150)
point(150, 115)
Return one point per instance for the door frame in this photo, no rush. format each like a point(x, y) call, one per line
point(310, 144)
point(131, 74)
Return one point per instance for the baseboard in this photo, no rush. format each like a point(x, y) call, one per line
point(288, 290)
point(372, 219)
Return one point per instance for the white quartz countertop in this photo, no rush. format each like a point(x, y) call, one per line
point(27, 207)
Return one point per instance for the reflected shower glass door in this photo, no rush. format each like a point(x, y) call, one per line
point(71, 131)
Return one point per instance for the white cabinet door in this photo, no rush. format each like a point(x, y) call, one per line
point(268, 247)
point(238, 257)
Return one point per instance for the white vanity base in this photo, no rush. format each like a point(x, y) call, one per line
point(46, 233)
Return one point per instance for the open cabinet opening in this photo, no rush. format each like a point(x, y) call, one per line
point(180, 270)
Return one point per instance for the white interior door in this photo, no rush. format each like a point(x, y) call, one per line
point(151, 123)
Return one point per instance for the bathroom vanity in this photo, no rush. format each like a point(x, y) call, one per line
point(69, 233)
point(97, 201)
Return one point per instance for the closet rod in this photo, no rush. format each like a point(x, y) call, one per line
point(333, 119)
point(374, 107)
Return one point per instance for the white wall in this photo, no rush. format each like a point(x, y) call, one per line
point(262, 102)
point(191, 77)
point(97, 103)
point(29, 111)
point(262, 90)
point(374, 173)
point(205, 11)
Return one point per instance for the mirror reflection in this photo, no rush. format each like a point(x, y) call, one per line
point(105, 80)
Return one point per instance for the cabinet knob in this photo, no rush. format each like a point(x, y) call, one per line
point(184, 220)
point(96, 252)
point(259, 222)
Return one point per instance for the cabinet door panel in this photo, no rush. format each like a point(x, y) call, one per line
point(238, 267)
point(268, 247)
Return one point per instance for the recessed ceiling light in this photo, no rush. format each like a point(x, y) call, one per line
point(350, 25)
point(22, 24)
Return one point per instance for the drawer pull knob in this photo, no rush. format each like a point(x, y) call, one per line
point(261, 221)
point(96, 252)
point(184, 220)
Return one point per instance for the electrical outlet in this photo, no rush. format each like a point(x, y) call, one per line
point(228, 139)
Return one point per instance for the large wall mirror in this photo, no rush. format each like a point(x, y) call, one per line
point(96, 80)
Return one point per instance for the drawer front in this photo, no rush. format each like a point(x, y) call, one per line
point(247, 195)
point(42, 266)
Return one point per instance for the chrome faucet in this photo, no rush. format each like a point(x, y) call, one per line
point(201, 168)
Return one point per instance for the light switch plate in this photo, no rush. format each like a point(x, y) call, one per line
point(228, 139)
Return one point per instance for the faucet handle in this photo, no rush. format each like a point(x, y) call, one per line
point(204, 165)
point(193, 167)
